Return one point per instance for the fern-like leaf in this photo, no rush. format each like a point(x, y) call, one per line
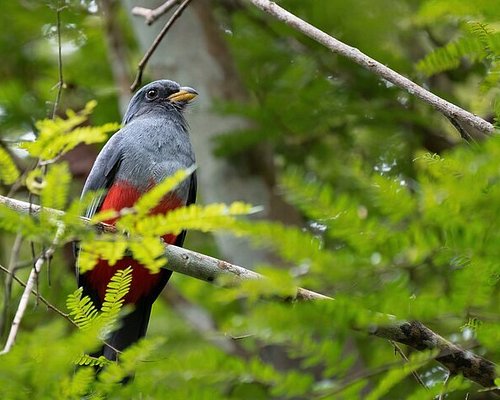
point(58, 136)
point(479, 42)
point(78, 385)
point(449, 56)
point(104, 248)
point(55, 190)
point(117, 289)
point(151, 199)
point(486, 34)
point(14, 222)
point(81, 309)
point(149, 251)
point(86, 360)
point(395, 376)
point(8, 170)
point(129, 360)
point(196, 217)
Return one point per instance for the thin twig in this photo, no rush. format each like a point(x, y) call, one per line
point(142, 64)
point(39, 163)
point(151, 15)
point(411, 333)
point(445, 385)
point(60, 84)
point(360, 376)
point(462, 117)
point(48, 304)
point(23, 303)
point(46, 254)
point(417, 377)
point(40, 297)
point(12, 266)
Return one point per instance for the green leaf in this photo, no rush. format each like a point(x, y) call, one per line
point(202, 218)
point(450, 385)
point(117, 289)
point(90, 361)
point(81, 309)
point(55, 187)
point(449, 56)
point(58, 136)
point(396, 375)
point(149, 252)
point(27, 225)
point(78, 385)
point(114, 373)
point(153, 197)
point(107, 248)
point(8, 169)
point(88, 318)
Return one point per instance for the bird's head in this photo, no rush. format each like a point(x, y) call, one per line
point(161, 96)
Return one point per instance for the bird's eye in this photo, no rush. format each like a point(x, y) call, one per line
point(152, 94)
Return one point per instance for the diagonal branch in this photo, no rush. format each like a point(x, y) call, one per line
point(23, 303)
point(11, 268)
point(60, 82)
point(151, 15)
point(410, 333)
point(156, 43)
point(38, 295)
point(467, 123)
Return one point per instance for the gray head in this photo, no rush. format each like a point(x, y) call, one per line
point(163, 96)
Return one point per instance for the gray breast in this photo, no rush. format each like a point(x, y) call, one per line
point(154, 149)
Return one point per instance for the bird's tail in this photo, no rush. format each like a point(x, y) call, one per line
point(132, 328)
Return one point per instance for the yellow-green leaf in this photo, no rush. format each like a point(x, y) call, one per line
point(91, 252)
point(150, 252)
point(154, 196)
point(58, 136)
point(8, 170)
point(55, 188)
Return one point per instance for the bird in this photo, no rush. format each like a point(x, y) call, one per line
point(152, 144)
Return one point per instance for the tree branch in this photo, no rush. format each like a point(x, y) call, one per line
point(39, 296)
point(156, 42)
point(12, 266)
point(455, 359)
point(465, 120)
point(23, 303)
point(410, 333)
point(60, 82)
point(151, 15)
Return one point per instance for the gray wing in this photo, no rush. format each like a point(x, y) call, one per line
point(103, 173)
point(101, 177)
point(190, 200)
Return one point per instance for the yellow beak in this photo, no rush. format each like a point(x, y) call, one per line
point(184, 94)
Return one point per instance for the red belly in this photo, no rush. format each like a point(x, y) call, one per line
point(122, 195)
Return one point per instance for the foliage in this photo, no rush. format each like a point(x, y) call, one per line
point(9, 172)
point(480, 42)
point(399, 216)
point(84, 312)
point(475, 47)
point(58, 136)
point(393, 273)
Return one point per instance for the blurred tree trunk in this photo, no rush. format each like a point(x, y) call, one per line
point(194, 54)
point(117, 50)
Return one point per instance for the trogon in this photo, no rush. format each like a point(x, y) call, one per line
point(152, 144)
